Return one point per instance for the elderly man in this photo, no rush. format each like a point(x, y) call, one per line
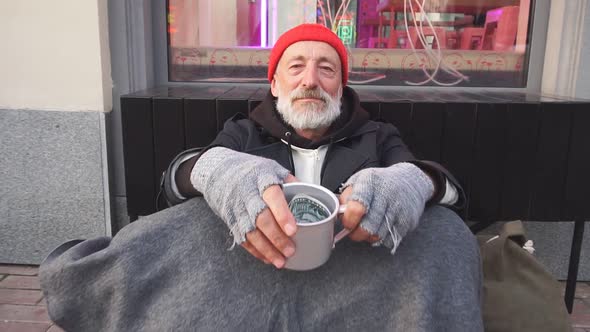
point(319, 133)
point(172, 271)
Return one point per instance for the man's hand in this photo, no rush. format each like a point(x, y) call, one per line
point(352, 217)
point(270, 241)
point(244, 191)
point(386, 203)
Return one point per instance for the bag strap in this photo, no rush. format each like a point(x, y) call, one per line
point(513, 230)
point(494, 249)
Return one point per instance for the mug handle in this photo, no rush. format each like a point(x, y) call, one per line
point(343, 233)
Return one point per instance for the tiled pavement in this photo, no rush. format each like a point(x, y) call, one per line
point(22, 308)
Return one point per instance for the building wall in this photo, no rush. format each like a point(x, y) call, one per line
point(53, 56)
point(583, 81)
point(55, 94)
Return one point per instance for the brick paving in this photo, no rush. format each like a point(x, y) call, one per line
point(22, 308)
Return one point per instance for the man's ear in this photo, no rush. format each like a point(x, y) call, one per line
point(273, 87)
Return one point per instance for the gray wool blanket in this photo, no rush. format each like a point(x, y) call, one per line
point(172, 271)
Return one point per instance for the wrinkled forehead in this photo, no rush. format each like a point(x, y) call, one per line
point(311, 50)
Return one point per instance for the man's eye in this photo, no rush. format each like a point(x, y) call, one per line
point(296, 66)
point(327, 68)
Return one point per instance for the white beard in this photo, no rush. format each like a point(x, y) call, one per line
point(309, 115)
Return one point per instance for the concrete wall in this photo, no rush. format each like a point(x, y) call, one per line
point(583, 81)
point(55, 94)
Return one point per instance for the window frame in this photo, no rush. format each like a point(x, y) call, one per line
point(536, 49)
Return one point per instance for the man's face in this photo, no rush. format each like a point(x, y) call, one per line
point(308, 85)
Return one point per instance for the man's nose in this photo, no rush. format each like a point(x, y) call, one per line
point(310, 77)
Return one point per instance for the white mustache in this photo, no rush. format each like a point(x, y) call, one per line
point(317, 93)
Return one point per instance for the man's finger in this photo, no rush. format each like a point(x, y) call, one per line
point(267, 224)
point(291, 178)
point(250, 248)
point(373, 238)
point(274, 197)
point(353, 215)
point(359, 234)
point(264, 247)
point(344, 196)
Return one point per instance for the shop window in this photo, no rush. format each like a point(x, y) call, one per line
point(390, 42)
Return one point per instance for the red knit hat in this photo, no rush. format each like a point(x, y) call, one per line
point(307, 32)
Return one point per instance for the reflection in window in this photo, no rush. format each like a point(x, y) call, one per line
point(391, 42)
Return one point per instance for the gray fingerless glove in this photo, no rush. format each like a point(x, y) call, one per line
point(232, 183)
point(394, 198)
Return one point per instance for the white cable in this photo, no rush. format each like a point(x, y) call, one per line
point(422, 37)
point(323, 13)
point(345, 9)
point(409, 39)
point(330, 15)
point(434, 57)
point(438, 56)
point(341, 11)
point(369, 80)
point(430, 54)
point(444, 66)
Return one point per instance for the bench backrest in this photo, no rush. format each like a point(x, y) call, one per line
point(518, 155)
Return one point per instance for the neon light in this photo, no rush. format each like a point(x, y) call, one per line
point(263, 23)
point(274, 21)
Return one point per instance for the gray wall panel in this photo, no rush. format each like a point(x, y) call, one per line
point(52, 181)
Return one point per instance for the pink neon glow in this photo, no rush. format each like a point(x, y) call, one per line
point(263, 23)
point(493, 15)
point(274, 21)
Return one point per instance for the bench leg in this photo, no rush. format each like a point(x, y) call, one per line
point(572, 273)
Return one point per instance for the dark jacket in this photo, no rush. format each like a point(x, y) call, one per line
point(354, 143)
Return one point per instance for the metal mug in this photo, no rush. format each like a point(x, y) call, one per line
point(314, 241)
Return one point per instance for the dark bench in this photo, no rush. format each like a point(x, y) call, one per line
point(518, 155)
